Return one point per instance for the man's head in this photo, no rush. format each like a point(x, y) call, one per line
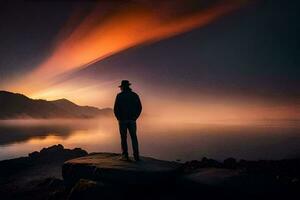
point(124, 85)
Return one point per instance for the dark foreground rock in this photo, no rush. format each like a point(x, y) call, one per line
point(86, 189)
point(21, 176)
point(212, 176)
point(108, 168)
point(104, 176)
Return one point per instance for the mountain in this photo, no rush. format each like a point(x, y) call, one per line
point(15, 105)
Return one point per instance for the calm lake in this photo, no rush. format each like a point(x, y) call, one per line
point(261, 140)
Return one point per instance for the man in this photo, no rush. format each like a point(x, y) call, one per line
point(127, 109)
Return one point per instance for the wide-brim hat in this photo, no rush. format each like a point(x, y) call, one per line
point(125, 83)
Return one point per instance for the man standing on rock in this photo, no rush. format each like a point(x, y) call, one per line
point(127, 109)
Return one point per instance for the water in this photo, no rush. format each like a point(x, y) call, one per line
point(275, 140)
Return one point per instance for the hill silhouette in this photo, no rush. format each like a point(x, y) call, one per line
point(14, 105)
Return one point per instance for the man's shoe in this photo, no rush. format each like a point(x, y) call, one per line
point(137, 158)
point(124, 158)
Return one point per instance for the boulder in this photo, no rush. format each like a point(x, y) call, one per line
point(108, 168)
point(85, 189)
point(230, 163)
point(194, 165)
point(56, 153)
point(211, 176)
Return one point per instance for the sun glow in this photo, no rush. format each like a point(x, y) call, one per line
point(99, 35)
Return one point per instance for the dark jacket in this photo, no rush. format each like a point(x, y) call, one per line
point(127, 106)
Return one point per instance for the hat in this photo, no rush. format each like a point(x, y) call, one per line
point(125, 83)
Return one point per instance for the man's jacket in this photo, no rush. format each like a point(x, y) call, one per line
point(127, 106)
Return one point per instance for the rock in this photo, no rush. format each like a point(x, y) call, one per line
point(194, 165)
point(108, 168)
point(32, 173)
point(207, 162)
point(53, 149)
point(211, 176)
point(34, 154)
point(56, 153)
point(230, 163)
point(51, 182)
point(85, 189)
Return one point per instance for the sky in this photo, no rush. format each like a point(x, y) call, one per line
point(191, 60)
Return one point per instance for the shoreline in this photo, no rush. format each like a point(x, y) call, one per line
point(42, 171)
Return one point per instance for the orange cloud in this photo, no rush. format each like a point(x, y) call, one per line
point(100, 35)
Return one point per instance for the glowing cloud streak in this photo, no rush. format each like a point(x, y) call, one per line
point(99, 36)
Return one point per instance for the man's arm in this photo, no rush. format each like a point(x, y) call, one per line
point(139, 106)
point(117, 107)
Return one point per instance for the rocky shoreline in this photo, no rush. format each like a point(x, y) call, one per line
point(58, 173)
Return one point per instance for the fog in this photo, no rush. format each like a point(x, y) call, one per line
point(171, 141)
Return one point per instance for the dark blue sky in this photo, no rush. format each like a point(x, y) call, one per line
point(252, 52)
point(28, 30)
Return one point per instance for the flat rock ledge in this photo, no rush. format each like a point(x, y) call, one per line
point(212, 176)
point(108, 168)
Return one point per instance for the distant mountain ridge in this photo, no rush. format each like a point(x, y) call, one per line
point(14, 105)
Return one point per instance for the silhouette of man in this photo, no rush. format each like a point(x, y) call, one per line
point(127, 109)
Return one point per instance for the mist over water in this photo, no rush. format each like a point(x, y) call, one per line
point(171, 141)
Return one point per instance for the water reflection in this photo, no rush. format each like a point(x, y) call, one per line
point(165, 141)
point(11, 134)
